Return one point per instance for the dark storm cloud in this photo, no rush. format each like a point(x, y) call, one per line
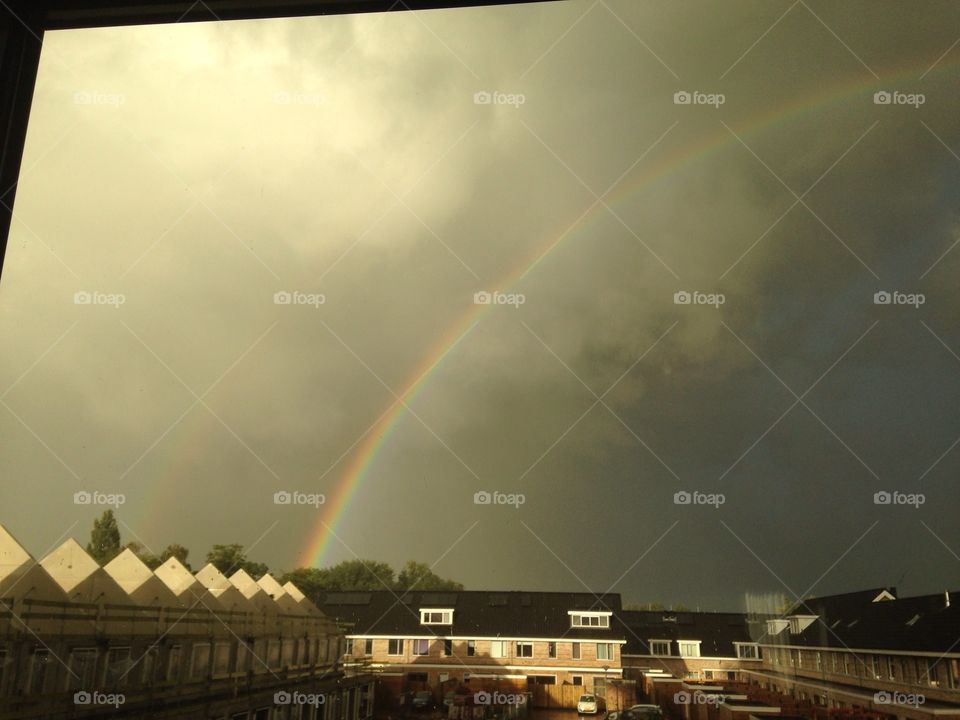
point(346, 157)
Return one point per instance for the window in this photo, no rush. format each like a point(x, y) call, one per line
point(173, 664)
point(420, 646)
point(660, 647)
point(689, 648)
point(436, 617)
point(498, 649)
point(83, 666)
point(417, 677)
point(933, 672)
point(524, 649)
point(39, 664)
point(149, 663)
point(243, 655)
point(118, 665)
point(747, 651)
point(590, 619)
point(541, 679)
point(395, 647)
point(875, 662)
point(200, 661)
point(471, 648)
point(551, 649)
point(575, 650)
point(448, 647)
point(348, 650)
point(577, 679)
point(368, 646)
point(273, 654)
point(221, 658)
point(604, 651)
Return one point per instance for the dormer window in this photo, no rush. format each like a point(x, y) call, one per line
point(436, 617)
point(591, 619)
point(747, 651)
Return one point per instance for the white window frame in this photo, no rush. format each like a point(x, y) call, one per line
point(399, 643)
point(656, 643)
point(418, 643)
point(688, 643)
point(609, 651)
point(436, 616)
point(589, 618)
point(524, 650)
point(754, 647)
point(499, 649)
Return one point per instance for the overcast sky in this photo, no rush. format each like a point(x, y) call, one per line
point(190, 172)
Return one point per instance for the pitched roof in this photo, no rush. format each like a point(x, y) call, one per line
point(81, 577)
point(21, 575)
point(138, 581)
point(475, 613)
point(717, 632)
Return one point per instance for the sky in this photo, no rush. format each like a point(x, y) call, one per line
point(250, 258)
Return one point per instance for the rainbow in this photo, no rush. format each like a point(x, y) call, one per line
point(366, 451)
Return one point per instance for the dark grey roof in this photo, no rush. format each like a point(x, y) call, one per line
point(923, 623)
point(476, 613)
point(717, 632)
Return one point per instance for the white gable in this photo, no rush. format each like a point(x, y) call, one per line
point(81, 577)
point(21, 575)
point(218, 585)
point(143, 587)
point(184, 585)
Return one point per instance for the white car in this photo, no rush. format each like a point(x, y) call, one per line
point(588, 705)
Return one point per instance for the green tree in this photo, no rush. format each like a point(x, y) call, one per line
point(154, 561)
point(104, 543)
point(177, 551)
point(418, 576)
point(230, 558)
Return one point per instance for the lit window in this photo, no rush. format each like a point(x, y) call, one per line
point(421, 646)
point(689, 648)
point(436, 617)
point(660, 647)
point(590, 619)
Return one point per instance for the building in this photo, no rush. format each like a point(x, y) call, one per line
point(866, 653)
point(554, 646)
point(82, 641)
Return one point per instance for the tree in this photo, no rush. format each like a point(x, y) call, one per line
point(154, 561)
point(104, 543)
point(228, 559)
point(358, 575)
point(177, 551)
point(418, 576)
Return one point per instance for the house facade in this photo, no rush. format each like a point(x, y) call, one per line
point(78, 640)
point(553, 646)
